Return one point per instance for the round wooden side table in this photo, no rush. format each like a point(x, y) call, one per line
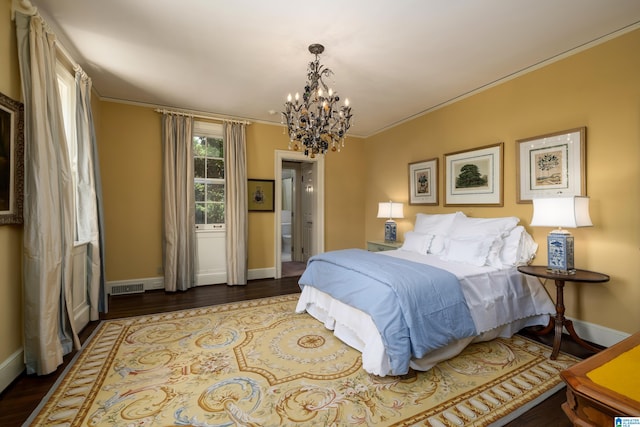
point(558, 321)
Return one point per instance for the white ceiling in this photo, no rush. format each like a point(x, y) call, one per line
point(392, 59)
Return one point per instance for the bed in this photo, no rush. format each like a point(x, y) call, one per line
point(453, 282)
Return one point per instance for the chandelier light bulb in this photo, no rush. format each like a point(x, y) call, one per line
point(289, 98)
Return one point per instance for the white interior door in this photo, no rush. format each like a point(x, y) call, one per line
point(311, 189)
point(308, 197)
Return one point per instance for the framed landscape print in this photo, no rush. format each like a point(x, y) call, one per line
point(474, 177)
point(423, 182)
point(551, 165)
point(261, 195)
point(11, 160)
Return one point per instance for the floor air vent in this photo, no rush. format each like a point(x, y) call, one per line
point(127, 289)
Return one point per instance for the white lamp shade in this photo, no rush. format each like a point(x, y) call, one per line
point(569, 212)
point(390, 210)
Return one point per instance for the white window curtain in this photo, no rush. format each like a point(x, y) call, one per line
point(235, 160)
point(179, 240)
point(89, 214)
point(48, 204)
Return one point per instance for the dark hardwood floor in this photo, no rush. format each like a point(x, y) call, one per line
point(19, 400)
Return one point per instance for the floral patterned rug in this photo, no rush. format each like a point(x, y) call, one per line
point(257, 363)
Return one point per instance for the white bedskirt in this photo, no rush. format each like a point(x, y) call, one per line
point(501, 303)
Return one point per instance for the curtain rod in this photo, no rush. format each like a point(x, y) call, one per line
point(201, 116)
point(25, 7)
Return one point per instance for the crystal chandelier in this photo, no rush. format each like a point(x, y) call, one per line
point(318, 122)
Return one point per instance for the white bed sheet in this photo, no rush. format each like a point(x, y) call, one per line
point(501, 302)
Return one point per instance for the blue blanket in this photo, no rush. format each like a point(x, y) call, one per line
point(416, 308)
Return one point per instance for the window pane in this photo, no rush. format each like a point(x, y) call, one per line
point(198, 167)
point(215, 169)
point(215, 213)
point(214, 147)
point(215, 192)
point(199, 146)
point(200, 213)
point(199, 194)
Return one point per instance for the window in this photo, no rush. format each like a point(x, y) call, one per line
point(209, 185)
point(67, 92)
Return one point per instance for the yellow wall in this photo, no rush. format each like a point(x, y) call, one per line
point(10, 235)
point(131, 164)
point(598, 88)
point(129, 140)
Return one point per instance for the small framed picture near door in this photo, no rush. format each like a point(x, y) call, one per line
point(423, 182)
point(261, 195)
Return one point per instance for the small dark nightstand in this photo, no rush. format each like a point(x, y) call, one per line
point(558, 321)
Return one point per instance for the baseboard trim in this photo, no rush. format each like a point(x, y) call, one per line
point(598, 334)
point(11, 368)
point(261, 273)
point(150, 283)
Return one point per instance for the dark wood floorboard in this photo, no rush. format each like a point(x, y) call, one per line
point(20, 399)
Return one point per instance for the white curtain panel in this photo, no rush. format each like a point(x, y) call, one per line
point(179, 251)
point(48, 202)
point(235, 160)
point(87, 210)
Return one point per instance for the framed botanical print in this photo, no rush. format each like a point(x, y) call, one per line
point(423, 182)
point(474, 177)
point(551, 165)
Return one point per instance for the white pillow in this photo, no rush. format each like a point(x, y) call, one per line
point(438, 245)
point(519, 248)
point(416, 242)
point(496, 228)
point(470, 250)
point(436, 224)
point(509, 252)
point(464, 226)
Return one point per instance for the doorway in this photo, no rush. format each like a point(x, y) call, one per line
point(299, 201)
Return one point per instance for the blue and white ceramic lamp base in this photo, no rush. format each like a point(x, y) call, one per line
point(390, 230)
point(560, 253)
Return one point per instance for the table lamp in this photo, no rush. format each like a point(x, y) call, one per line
point(571, 212)
point(390, 210)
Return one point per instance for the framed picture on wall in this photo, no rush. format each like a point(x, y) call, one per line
point(551, 165)
point(261, 195)
point(423, 182)
point(11, 160)
point(474, 177)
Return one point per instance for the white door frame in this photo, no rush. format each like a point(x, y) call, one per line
point(318, 238)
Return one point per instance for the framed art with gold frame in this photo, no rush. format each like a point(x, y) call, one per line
point(551, 165)
point(11, 160)
point(261, 195)
point(423, 182)
point(474, 177)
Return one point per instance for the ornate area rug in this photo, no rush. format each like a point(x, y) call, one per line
point(257, 363)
